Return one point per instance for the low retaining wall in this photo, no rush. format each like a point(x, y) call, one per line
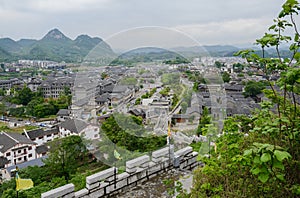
point(107, 183)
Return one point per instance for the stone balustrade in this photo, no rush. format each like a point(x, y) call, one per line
point(108, 182)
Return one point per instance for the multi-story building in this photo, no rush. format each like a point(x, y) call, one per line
point(78, 127)
point(54, 87)
point(39, 136)
point(34, 84)
point(16, 148)
point(8, 84)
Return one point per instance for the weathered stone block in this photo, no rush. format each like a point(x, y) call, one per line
point(121, 183)
point(131, 179)
point(101, 175)
point(112, 178)
point(138, 170)
point(141, 174)
point(59, 192)
point(163, 152)
point(183, 164)
point(154, 168)
point(111, 188)
point(137, 161)
point(97, 193)
point(81, 193)
point(145, 165)
point(157, 160)
point(92, 186)
point(184, 152)
point(192, 161)
point(70, 195)
point(96, 185)
point(122, 176)
point(130, 170)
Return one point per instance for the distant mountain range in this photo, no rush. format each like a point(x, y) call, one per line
point(55, 46)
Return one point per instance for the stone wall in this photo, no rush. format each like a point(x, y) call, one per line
point(107, 183)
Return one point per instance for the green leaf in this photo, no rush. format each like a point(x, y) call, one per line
point(248, 152)
point(265, 157)
point(256, 160)
point(263, 177)
point(280, 177)
point(272, 27)
point(255, 171)
point(278, 164)
point(297, 56)
point(281, 155)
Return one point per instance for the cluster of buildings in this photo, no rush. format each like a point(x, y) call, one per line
point(31, 147)
point(95, 97)
point(41, 64)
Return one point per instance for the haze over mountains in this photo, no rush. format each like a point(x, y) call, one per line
point(55, 46)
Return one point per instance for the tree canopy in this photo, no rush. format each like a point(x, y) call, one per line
point(259, 156)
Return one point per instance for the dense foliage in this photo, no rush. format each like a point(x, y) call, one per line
point(259, 156)
point(33, 103)
point(170, 78)
point(226, 77)
point(128, 132)
point(177, 60)
point(253, 88)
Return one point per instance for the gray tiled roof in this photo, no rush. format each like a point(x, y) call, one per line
point(35, 133)
point(120, 89)
point(102, 98)
point(74, 125)
point(41, 149)
point(20, 138)
point(63, 112)
point(40, 133)
point(6, 142)
point(9, 140)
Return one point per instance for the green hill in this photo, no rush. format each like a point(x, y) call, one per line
point(53, 46)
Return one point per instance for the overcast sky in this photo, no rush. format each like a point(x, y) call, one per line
point(208, 21)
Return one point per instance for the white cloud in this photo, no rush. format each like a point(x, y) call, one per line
point(227, 32)
point(69, 5)
point(48, 6)
point(211, 22)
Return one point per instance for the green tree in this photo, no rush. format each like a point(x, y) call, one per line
point(137, 101)
point(2, 92)
point(253, 88)
point(23, 96)
point(104, 75)
point(128, 81)
point(238, 67)
point(170, 78)
point(226, 77)
point(131, 137)
point(165, 91)
point(218, 64)
point(44, 109)
point(17, 112)
point(184, 106)
point(264, 161)
point(66, 155)
point(2, 109)
point(175, 101)
point(205, 119)
point(30, 108)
